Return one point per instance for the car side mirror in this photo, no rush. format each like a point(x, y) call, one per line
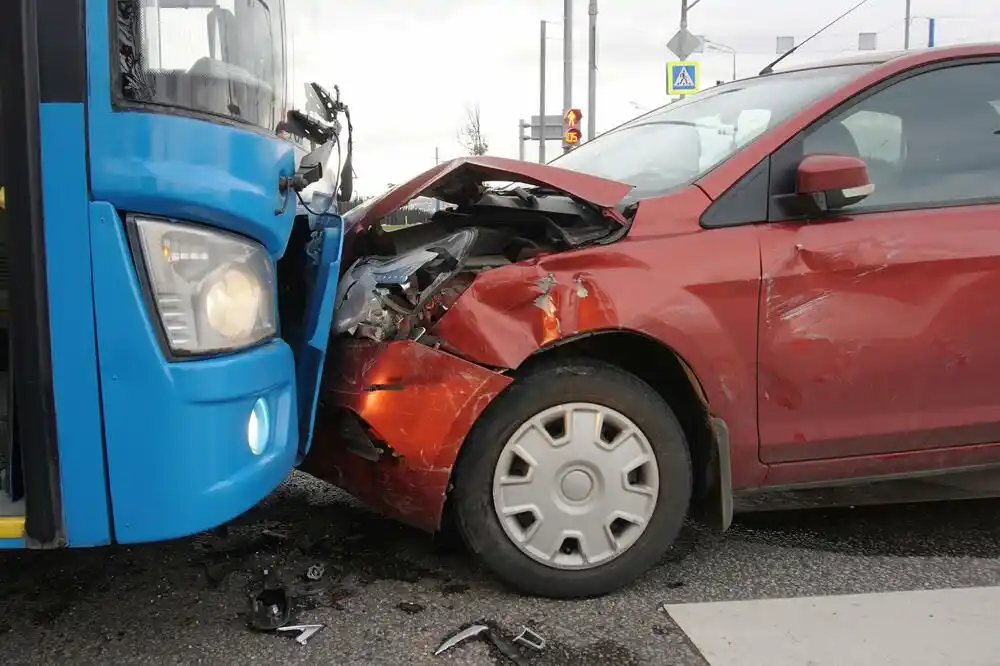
point(833, 182)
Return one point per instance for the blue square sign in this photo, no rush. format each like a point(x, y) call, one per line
point(682, 77)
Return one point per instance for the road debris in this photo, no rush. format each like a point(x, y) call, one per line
point(270, 610)
point(530, 638)
point(461, 636)
point(276, 534)
point(306, 631)
point(269, 607)
point(505, 647)
point(316, 572)
point(410, 607)
point(490, 633)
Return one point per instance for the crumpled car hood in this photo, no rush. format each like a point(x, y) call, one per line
point(459, 181)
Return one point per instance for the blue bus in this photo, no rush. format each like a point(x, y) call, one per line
point(166, 291)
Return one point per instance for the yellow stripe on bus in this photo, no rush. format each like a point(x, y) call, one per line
point(11, 527)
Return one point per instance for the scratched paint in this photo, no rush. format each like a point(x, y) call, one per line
point(526, 305)
point(874, 338)
point(869, 334)
point(422, 420)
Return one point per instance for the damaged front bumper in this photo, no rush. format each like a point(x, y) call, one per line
point(393, 418)
point(399, 396)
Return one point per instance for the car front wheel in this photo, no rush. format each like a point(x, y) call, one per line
point(574, 482)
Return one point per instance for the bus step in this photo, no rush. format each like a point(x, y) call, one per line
point(10, 509)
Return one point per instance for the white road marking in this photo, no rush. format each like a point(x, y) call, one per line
point(954, 627)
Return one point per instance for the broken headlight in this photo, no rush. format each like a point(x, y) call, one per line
point(383, 292)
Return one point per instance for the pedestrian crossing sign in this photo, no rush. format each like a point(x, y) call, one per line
point(682, 77)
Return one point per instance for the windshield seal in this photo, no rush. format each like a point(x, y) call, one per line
point(678, 144)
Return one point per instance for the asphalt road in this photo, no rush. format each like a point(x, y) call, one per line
point(390, 595)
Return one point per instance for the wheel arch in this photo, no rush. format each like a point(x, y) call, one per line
point(675, 381)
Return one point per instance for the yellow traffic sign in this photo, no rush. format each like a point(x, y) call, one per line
point(683, 77)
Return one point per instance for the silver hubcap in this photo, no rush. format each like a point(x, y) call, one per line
point(576, 486)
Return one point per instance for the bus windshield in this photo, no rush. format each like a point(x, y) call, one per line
point(225, 58)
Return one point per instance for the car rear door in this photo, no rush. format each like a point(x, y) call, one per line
point(878, 325)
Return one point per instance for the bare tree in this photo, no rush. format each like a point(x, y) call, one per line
point(471, 133)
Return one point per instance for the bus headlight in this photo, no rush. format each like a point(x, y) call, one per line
point(213, 290)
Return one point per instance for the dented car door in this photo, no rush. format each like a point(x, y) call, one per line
point(876, 331)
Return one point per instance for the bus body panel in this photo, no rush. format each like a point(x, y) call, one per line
point(176, 434)
point(71, 320)
point(158, 162)
point(193, 170)
point(310, 342)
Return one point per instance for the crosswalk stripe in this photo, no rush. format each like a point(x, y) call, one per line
point(954, 627)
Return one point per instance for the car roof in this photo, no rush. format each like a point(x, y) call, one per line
point(882, 57)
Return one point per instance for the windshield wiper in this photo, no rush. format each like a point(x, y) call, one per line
point(682, 123)
point(541, 191)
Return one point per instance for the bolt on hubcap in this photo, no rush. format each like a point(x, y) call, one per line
point(576, 486)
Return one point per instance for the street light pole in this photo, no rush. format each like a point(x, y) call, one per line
point(686, 5)
point(722, 48)
point(909, 20)
point(541, 97)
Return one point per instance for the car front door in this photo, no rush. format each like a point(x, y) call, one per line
point(878, 324)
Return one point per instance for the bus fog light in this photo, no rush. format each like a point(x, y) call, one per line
point(259, 428)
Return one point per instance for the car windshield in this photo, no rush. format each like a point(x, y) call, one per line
point(225, 58)
point(678, 143)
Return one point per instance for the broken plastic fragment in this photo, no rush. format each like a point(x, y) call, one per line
point(315, 572)
point(270, 610)
point(269, 607)
point(410, 607)
point(359, 300)
point(460, 637)
point(531, 639)
point(306, 631)
point(492, 634)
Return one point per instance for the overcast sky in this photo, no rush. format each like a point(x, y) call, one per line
point(409, 68)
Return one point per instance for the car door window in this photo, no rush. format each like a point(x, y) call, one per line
point(931, 139)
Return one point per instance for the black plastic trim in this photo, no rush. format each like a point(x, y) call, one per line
point(786, 206)
point(62, 51)
point(29, 304)
point(724, 462)
point(873, 490)
point(744, 203)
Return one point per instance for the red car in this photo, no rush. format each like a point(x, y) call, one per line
point(771, 290)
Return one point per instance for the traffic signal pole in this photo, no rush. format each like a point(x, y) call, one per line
point(592, 73)
point(685, 6)
point(567, 60)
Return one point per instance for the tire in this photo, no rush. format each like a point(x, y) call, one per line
point(572, 384)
